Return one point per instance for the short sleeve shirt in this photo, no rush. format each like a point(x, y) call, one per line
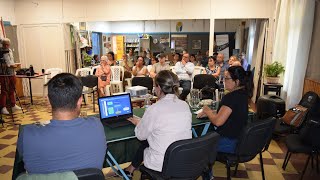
point(63, 145)
point(238, 102)
point(158, 67)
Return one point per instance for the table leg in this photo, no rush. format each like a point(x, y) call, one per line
point(117, 165)
point(204, 131)
point(194, 132)
point(30, 88)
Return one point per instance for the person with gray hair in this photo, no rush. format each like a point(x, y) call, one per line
point(166, 121)
point(7, 82)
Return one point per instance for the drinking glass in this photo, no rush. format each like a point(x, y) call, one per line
point(194, 100)
point(214, 101)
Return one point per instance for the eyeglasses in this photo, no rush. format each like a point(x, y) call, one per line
point(227, 78)
point(185, 56)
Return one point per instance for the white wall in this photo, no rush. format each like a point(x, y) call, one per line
point(98, 26)
point(58, 11)
point(7, 10)
point(42, 47)
point(158, 26)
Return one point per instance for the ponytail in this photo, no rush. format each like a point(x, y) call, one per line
point(168, 82)
point(245, 78)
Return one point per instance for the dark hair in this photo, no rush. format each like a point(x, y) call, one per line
point(213, 57)
point(244, 77)
point(112, 54)
point(193, 56)
point(168, 82)
point(95, 56)
point(155, 58)
point(179, 55)
point(64, 91)
point(161, 55)
point(142, 59)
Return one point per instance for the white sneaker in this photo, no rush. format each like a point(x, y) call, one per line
point(4, 111)
point(16, 108)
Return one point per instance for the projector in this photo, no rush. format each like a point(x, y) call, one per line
point(137, 90)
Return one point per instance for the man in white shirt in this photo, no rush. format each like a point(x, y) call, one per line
point(161, 65)
point(184, 70)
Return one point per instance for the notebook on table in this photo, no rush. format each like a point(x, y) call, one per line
point(115, 110)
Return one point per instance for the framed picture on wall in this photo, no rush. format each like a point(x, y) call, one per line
point(196, 44)
point(104, 38)
point(82, 26)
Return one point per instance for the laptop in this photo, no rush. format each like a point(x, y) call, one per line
point(115, 110)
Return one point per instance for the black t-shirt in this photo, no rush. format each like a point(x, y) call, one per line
point(238, 102)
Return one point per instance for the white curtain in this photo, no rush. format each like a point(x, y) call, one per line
point(251, 40)
point(259, 55)
point(292, 45)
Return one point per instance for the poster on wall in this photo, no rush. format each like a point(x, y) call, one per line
point(196, 44)
point(222, 45)
point(181, 42)
point(120, 47)
point(82, 26)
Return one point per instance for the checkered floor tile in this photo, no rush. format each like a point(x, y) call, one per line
point(40, 111)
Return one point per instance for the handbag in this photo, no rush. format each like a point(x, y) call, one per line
point(295, 116)
point(103, 78)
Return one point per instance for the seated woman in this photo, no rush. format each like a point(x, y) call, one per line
point(104, 74)
point(163, 123)
point(194, 60)
point(212, 68)
point(127, 65)
point(232, 60)
point(232, 116)
point(111, 60)
point(140, 70)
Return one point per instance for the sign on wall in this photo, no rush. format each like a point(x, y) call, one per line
point(222, 43)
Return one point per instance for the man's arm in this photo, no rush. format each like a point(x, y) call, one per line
point(179, 68)
point(189, 68)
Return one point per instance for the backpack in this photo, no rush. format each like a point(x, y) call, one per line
point(295, 116)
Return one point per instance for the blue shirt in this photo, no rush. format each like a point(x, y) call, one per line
point(63, 145)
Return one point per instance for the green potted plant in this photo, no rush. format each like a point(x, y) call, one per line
point(86, 59)
point(272, 72)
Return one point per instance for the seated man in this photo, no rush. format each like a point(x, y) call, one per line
point(161, 65)
point(184, 70)
point(68, 142)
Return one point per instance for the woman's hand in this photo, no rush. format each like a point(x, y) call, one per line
point(206, 110)
point(134, 120)
point(201, 115)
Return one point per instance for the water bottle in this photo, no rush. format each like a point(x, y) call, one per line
point(147, 101)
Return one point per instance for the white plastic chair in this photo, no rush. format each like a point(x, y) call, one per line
point(197, 70)
point(172, 69)
point(93, 69)
point(82, 72)
point(53, 72)
point(149, 67)
point(117, 75)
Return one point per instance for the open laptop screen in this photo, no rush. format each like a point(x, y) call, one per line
point(117, 106)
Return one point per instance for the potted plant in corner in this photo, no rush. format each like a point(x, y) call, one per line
point(272, 72)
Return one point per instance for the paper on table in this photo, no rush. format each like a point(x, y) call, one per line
point(197, 112)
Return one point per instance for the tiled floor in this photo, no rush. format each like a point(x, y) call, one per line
point(273, 158)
